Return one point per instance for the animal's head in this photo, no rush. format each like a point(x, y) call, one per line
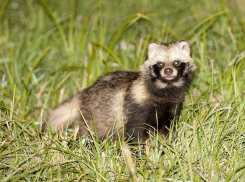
point(168, 64)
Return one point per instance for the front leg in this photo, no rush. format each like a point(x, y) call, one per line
point(137, 135)
point(170, 118)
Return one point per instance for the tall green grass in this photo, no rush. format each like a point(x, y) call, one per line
point(50, 50)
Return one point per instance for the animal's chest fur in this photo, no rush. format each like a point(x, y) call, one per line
point(148, 116)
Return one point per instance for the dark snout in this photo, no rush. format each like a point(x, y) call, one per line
point(168, 71)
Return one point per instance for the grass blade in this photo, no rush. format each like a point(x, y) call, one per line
point(35, 65)
point(126, 25)
point(59, 27)
point(110, 52)
point(205, 21)
point(3, 7)
point(71, 25)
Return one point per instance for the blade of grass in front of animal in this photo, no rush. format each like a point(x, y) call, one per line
point(129, 161)
point(96, 141)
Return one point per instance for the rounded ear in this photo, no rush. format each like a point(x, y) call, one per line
point(184, 45)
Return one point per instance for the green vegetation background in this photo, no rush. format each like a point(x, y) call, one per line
point(50, 50)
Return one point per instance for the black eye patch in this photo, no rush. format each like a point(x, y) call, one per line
point(155, 69)
point(183, 69)
point(182, 65)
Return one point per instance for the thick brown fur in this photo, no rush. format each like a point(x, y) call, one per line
point(132, 102)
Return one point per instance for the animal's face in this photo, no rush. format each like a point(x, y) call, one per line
point(168, 64)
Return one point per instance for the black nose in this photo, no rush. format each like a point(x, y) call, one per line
point(168, 71)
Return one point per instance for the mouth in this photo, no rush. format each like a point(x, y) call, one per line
point(168, 77)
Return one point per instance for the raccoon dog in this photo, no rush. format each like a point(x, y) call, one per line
point(132, 102)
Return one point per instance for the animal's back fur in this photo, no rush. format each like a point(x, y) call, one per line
point(103, 103)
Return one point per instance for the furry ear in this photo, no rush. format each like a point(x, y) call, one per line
point(153, 49)
point(184, 45)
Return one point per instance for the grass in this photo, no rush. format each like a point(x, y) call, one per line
point(51, 50)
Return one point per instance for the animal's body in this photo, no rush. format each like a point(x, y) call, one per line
point(132, 102)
